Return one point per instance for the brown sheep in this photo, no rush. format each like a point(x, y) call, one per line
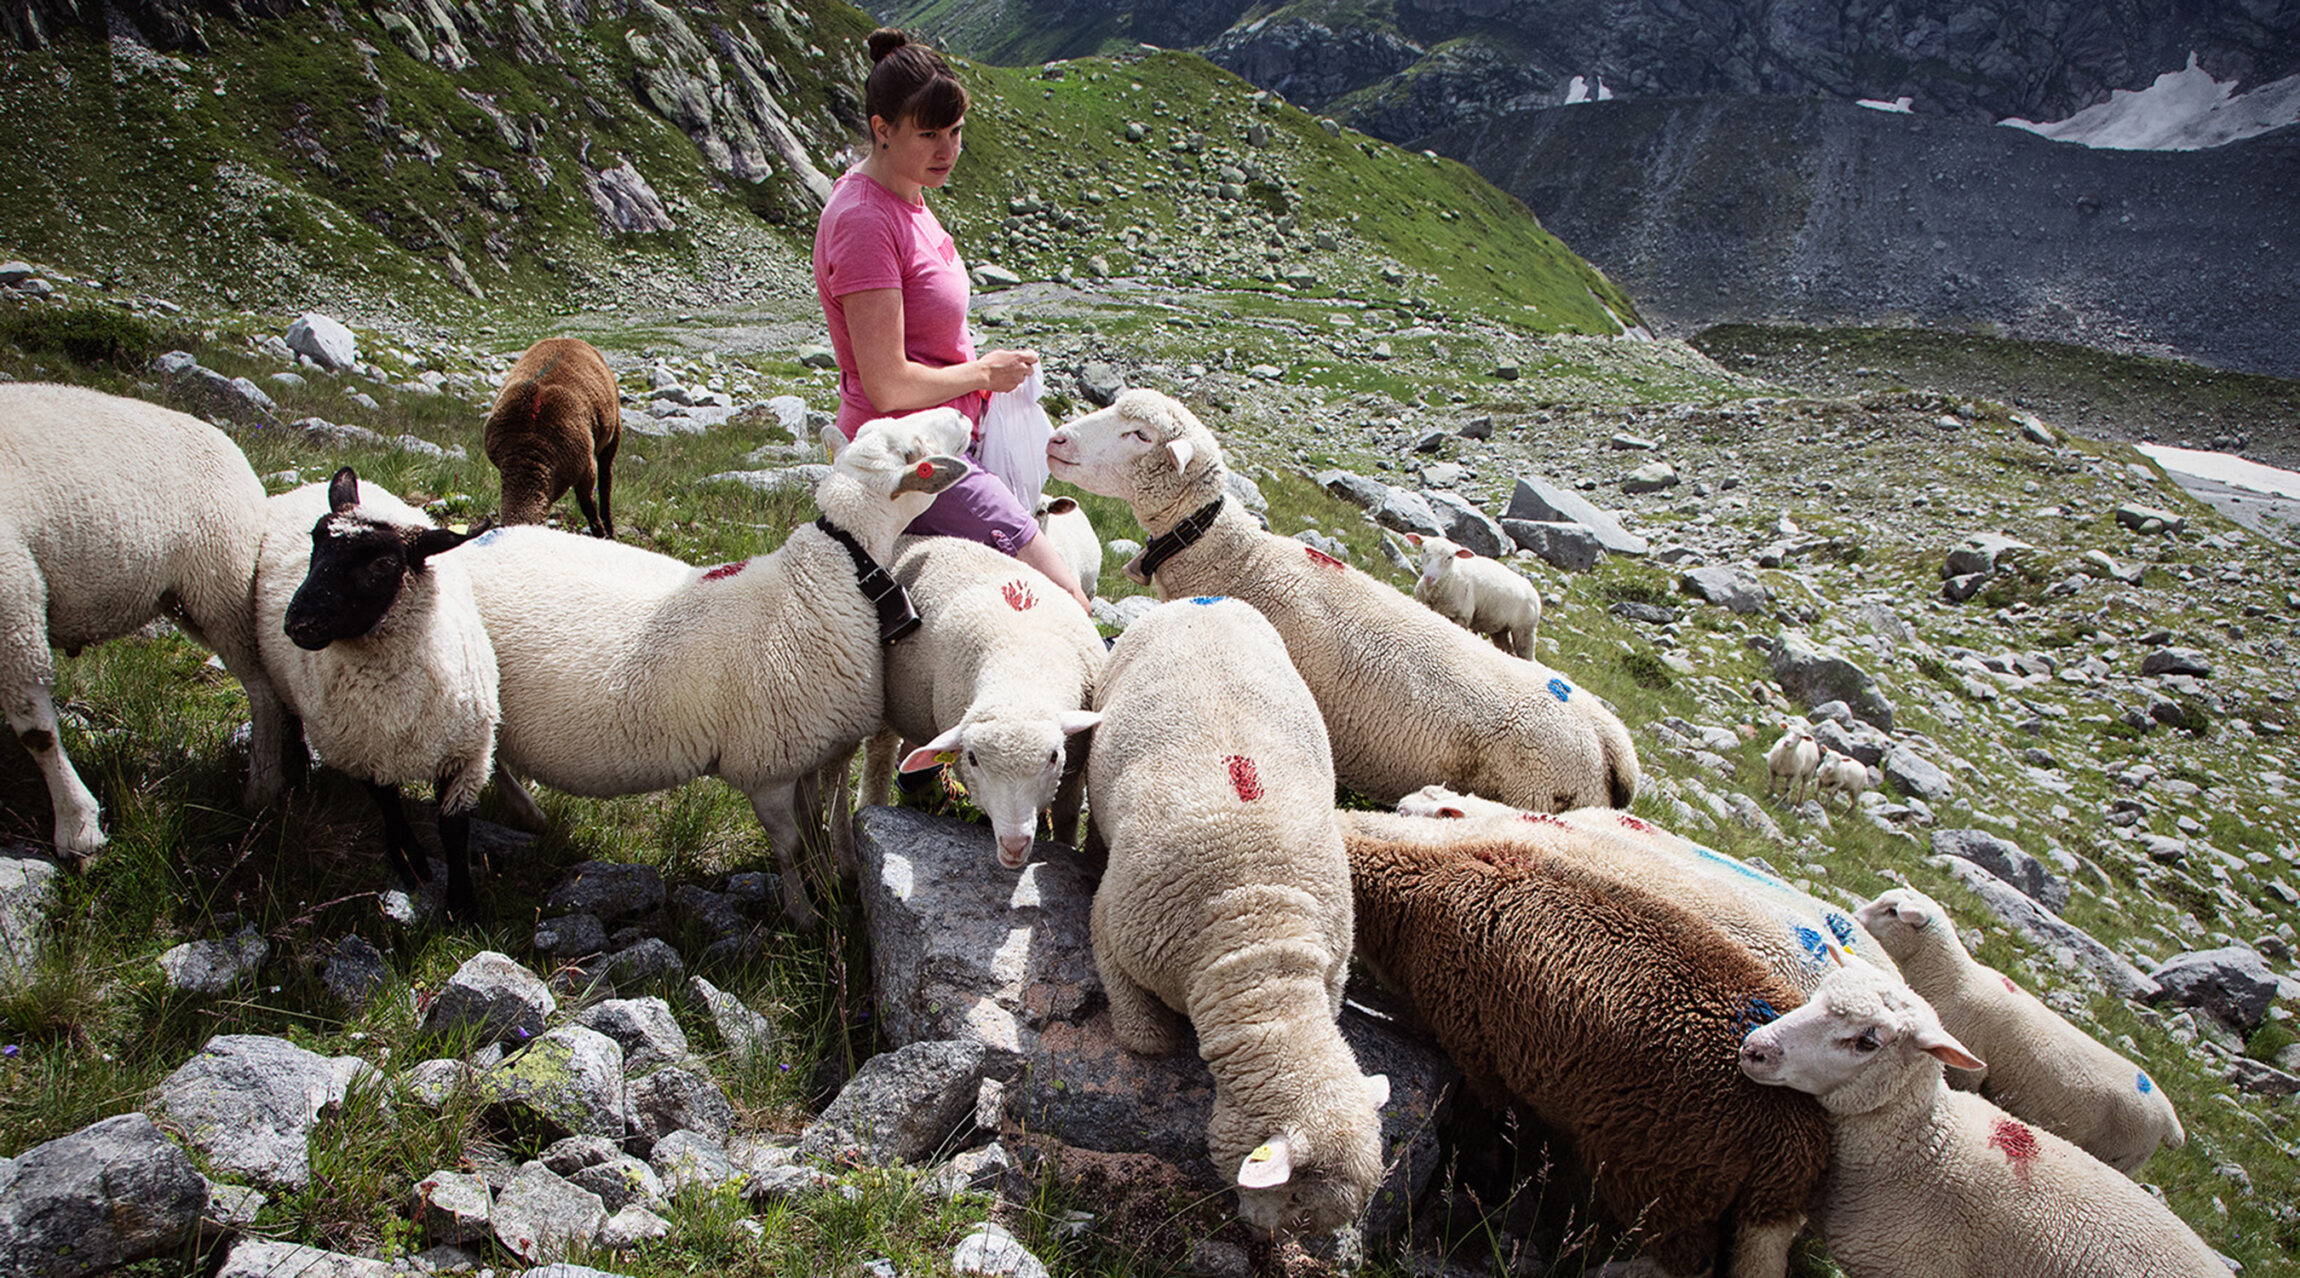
point(555, 426)
point(1615, 1017)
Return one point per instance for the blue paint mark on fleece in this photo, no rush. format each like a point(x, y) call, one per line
point(487, 538)
point(1842, 926)
point(1739, 868)
point(1203, 600)
point(2145, 1086)
point(1816, 949)
point(1758, 1012)
point(1560, 689)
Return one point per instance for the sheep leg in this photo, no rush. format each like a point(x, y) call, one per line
point(79, 821)
point(455, 841)
point(1071, 790)
point(878, 766)
point(295, 752)
point(775, 807)
point(1762, 1251)
point(1140, 1022)
point(400, 849)
point(606, 468)
point(524, 811)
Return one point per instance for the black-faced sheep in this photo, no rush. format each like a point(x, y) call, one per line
point(555, 426)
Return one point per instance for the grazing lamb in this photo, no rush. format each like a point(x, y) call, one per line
point(1408, 697)
point(1614, 1015)
point(373, 639)
point(1843, 774)
point(113, 512)
point(2040, 1067)
point(1925, 1182)
point(1063, 519)
point(555, 426)
point(625, 671)
point(1227, 899)
point(1793, 760)
point(1483, 596)
point(995, 682)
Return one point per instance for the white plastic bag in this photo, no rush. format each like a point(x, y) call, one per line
point(1014, 435)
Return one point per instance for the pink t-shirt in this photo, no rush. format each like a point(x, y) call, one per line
point(868, 238)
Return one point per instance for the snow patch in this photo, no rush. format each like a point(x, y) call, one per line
point(1900, 106)
point(1577, 90)
point(2184, 110)
point(2225, 468)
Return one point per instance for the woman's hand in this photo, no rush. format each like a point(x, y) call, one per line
point(1004, 370)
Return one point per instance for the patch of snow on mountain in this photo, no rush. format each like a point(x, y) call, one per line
point(1898, 105)
point(2225, 468)
point(2184, 110)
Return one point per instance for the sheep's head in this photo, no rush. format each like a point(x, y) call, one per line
point(1313, 1178)
point(892, 470)
point(1010, 767)
point(359, 564)
point(1147, 449)
point(1862, 1038)
point(1904, 920)
point(1435, 556)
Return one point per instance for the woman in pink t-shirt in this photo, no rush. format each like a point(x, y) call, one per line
point(894, 293)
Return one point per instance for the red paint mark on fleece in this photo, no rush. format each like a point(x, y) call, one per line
point(2017, 1142)
point(2008, 982)
point(1542, 818)
point(1641, 826)
point(1318, 556)
point(1018, 596)
point(1243, 778)
point(724, 571)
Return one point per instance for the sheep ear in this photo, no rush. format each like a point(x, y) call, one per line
point(1181, 451)
point(1450, 813)
point(343, 491)
point(1268, 1167)
point(1946, 1049)
point(435, 541)
point(1077, 721)
point(1061, 505)
point(943, 749)
point(1413, 539)
point(1465, 553)
point(1378, 1089)
point(833, 441)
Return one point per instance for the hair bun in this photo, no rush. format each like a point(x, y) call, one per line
point(884, 41)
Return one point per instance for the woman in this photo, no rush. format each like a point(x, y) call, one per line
point(894, 293)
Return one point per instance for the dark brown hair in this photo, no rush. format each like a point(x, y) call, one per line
point(911, 82)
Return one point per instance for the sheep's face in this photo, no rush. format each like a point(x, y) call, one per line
point(1314, 1180)
point(1011, 769)
point(1853, 1043)
point(358, 566)
point(1146, 448)
point(1435, 556)
point(905, 460)
point(1904, 919)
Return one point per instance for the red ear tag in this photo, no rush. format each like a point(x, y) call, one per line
point(1243, 778)
point(926, 470)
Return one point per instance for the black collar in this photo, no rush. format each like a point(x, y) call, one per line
point(896, 617)
point(1175, 540)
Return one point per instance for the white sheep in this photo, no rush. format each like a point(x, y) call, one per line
point(372, 639)
point(1845, 775)
point(625, 671)
point(1408, 697)
point(996, 681)
point(113, 512)
point(2040, 1067)
point(1925, 1182)
point(1793, 760)
point(1483, 596)
point(1227, 898)
point(1063, 519)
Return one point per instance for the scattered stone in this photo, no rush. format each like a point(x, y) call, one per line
point(691, 1160)
point(1407, 512)
point(1479, 427)
point(651, 961)
point(1571, 547)
point(973, 1169)
point(2149, 519)
point(355, 971)
point(1652, 477)
point(540, 1217)
point(1916, 775)
point(677, 1098)
point(257, 1258)
point(1649, 614)
point(608, 890)
point(568, 1082)
point(630, 1226)
point(1354, 489)
point(451, 1207)
point(211, 969)
point(431, 1083)
point(1540, 501)
point(1213, 1258)
point(818, 357)
point(2005, 860)
point(1979, 554)
point(2232, 983)
point(2069, 945)
point(1463, 522)
point(491, 998)
point(251, 1103)
point(1853, 738)
point(620, 1181)
point(744, 1034)
point(574, 1153)
point(1100, 383)
point(566, 1269)
point(230, 1207)
point(2177, 661)
point(27, 888)
point(110, 1193)
point(1813, 676)
point(645, 1029)
point(325, 341)
point(782, 1184)
point(992, 1250)
point(1736, 590)
point(571, 936)
point(902, 1106)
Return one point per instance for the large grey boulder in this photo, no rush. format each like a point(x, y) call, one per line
point(1916, 775)
point(2177, 661)
point(691, 1160)
point(1544, 502)
point(1004, 960)
point(112, 1192)
point(621, 1181)
point(2069, 945)
point(2233, 983)
point(451, 1207)
point(251, 1103)
point(1814, 676)
point(259, 1258)
point(27, 887)
point(1463, 522)
point(540, 1217)
point(677, 1098)
point(2005, 859)
point(902, 1106)
point(1560, 545)
point(1357, 490)
point(1979, 552)
point(493, 999)
point(645, 1029)
point(568, 1082)
point(1736, 590)
point(326, 342)
point(1407, 512)
point(1856, 739)
point(210, 969)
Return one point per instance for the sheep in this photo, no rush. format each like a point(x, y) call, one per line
point(1227, 898)
point(555, 425)
point(2041, 1067)
point(1408, 697)
point(993, 681)
point(1613, 1015)
point(113, 512)
point(625, 671)
point(1843, 774)
point(1793, 760)
point(1789, 931)
point(1925, 1182)
point(1483, 596)
point(1063, 519)
point(372, 639)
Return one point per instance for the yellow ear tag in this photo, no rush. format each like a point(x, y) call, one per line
point(1262, 1154)
point(946, 756)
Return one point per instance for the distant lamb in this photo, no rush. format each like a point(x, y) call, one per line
point(113, 512)
point(1408, 697)
point(625, 671)
point(995, 679)
point(1227, 899)
point(1614, 1015)
point(373, 640)
point(1063, 519)
point(2040, 1067)
point(1925, 1182)
point(1843, 774)
point(1483, 596)
point(1793, 760)
point(555, 426)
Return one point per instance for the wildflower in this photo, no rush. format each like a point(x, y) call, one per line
point(10, 1050)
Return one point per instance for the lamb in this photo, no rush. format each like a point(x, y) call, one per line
point(555, 425)
point(2041, 1067)
point(1612, 1014)
point(113, 512)
point(1063, 519)
point(994, 681)
point(1925, 1182)
point(1408, 697)
point(1843, 774)
point(1483, 596)
point(1227, 898)
point(1793, 760)
point(625, 671)
point(373, 639)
